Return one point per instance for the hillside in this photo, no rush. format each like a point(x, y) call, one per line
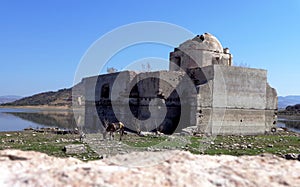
point(294, 108)
point(283, 102)
point(61, 97)
point(291, 110)
point(291, 113)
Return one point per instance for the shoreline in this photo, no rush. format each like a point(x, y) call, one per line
point(46, 142)
point(283, 117)
point(45, 108)
point(37, 107)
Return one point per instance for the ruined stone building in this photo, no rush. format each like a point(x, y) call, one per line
point(201, 89)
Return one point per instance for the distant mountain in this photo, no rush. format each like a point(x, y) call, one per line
point(283, 102)
point(9, 98)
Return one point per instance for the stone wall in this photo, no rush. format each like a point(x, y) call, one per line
point(237, 101)
point(201, 88)
point(218, 99)
point(142, 102)
point(98, 107)
point(238, 87)
point(201, 51)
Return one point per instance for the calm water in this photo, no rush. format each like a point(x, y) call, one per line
point(292, 125)
point(12, 119)
point(15, 119)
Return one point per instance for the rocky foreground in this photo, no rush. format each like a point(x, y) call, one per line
point(170, 168)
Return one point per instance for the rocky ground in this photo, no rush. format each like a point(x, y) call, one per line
point(168, 168)
point(133, 143)
point(282, 144)
point(93, 147)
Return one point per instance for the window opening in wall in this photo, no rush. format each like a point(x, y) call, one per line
point(105, 91)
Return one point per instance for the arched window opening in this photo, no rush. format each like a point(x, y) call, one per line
point(105, 91)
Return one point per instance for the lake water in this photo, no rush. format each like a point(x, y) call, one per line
point(292, 125)
point(16, 119)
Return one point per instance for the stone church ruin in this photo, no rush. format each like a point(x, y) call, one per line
point(200, 89)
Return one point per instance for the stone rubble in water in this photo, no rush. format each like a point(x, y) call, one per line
point(169, 168)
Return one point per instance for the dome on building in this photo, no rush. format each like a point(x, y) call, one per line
point(205, 41)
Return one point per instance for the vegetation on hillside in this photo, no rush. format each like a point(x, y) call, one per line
point(295, 108)
point(61, 97)
point(291, 112)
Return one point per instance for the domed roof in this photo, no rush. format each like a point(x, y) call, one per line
point(205, 41)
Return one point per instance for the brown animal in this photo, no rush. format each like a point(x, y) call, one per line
point(111, 128)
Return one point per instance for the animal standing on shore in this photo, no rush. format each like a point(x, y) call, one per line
point(111, 128)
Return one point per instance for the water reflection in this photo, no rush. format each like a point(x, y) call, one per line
point(63, 120)
point(292, 125)
point(12, 119)
point(18, 119)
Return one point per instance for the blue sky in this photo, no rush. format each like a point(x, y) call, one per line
point(42, 42)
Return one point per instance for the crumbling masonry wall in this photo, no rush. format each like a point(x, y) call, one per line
point(201, 89)
point(236, 101)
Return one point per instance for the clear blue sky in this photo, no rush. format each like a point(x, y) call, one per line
point(42, 42)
